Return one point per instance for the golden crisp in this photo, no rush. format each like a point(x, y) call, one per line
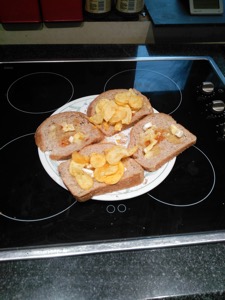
point(109, 174)
point(114, 178)
point(84, 180)
point(136, 102)
point(96, 119)
point(118, 111)
point(106, 167)
point(97, 160)
point(80, 159)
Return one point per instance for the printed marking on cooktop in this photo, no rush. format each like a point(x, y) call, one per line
point(164, 93)
point(110, 209)
point(121, 208)
point(187, 189)
point(41, 92)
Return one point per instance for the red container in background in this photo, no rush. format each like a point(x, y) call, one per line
point(20, 11)
point(61, 10)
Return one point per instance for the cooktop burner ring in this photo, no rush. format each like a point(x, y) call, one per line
point(147, 81)
point(24, 188)
point(38, 219)
point(194, 166)
point(40, 92)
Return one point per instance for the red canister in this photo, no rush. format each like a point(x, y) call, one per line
point(20, 11)
point(61, 10)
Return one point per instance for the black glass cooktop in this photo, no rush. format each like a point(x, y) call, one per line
point(35, 211)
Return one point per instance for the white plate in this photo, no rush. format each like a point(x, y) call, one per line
point(152, 179)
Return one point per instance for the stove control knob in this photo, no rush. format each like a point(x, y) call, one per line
point(218, 106)
point(207, 87)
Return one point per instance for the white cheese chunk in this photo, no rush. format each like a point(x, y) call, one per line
point(67, 127)
point(176, 131)
point(71, 139)
point(147, 126)
point(88, 171)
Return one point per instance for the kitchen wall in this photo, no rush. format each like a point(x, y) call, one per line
point(102, 32)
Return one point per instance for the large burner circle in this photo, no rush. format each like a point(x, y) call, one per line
point(41, 92)
point(164, 94)
point(28, 192)
point(190, 182)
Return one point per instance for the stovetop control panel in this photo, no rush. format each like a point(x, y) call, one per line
point(211, 103)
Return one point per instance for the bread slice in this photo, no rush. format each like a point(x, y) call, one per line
point(110, 95)
point(65, 132)
point(167, 144)
point(133, 175)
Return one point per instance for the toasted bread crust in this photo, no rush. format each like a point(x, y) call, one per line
point(48, 139)
point(168, 149)
point(133, 175)
point(110, 95)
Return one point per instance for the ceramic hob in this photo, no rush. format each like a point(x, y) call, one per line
point(184, 202)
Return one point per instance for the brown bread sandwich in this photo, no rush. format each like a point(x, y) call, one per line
point(65, 132)
point(98, 169)
point(115, 110)
point(159, 138)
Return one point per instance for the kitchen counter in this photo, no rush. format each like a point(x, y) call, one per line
point(194, 272)
point(181, 272)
